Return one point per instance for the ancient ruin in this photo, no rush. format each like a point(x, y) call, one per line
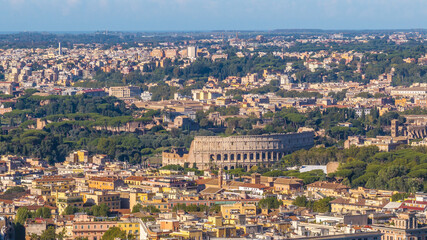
point(238, 151)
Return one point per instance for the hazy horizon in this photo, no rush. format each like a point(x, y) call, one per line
point(213, 31)
point(209, 15)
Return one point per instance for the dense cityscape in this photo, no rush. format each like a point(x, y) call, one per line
point(284, 134)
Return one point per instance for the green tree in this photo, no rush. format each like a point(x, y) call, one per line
point(114, 232)
point(48, 234)
point(148, 219)
point(13, 190)
point(322, 205)
point(215, 208)
point(270, 203)
point(21, 215)
point(399, 197)
point(33, 236)
point(101, 210)
point(300, 201)
point(136, 208)
point(43, 212)
point(150, 209)
point(70, 210)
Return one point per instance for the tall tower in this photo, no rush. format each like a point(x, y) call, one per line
point(59, 49)
point(394, 128)
point(192, 52)
point(220, 179)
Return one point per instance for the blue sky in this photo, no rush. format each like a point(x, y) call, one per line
point(187, 15)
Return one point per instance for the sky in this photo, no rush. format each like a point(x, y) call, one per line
point(205, 15)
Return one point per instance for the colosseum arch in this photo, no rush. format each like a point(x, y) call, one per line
point(245, 151)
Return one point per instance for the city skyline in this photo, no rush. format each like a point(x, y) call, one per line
point(192, 15)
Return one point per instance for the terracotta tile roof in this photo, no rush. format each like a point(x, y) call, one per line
point(204, 181)
point(6, 201)
point(236, 184)
point(413, 208)
point(360, 202)
point(288, 181)
point(252, 185)
point(328, 185)
point(211, 190)
point(53, 178)
point(212, 181)
point(103, 179)
point(136, 178)
point(33, 207)
point(416, 202)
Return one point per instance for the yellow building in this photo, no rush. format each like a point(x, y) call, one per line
point(112, 200)
point(81, 156)
point(353, 205)
point(223, 101)
point(193, 234)
point(135, 198)
point(104, 183)
point(46, 194)
point(168, 172)
point(231, 211)
point(225, 232)
point(130, 227)
point(330, 189)
point(65, 199)
point(282, 227)
point(400, 102)
point(135, 180)
point(215, 221)
point(288, 185)
point(54, 183)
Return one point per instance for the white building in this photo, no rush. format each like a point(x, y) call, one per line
point(146, 96)
point(308, 168)
point(409, 92)
point(192, 52)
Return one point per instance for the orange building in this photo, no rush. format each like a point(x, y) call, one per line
point(400, 102)
point(169, 225)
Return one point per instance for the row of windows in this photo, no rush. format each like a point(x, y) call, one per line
point(102, 183)
point(81, 234)
point(6, 210)
point(88, 227)
point(246, 156)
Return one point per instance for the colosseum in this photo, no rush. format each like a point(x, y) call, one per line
point(238, 151)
